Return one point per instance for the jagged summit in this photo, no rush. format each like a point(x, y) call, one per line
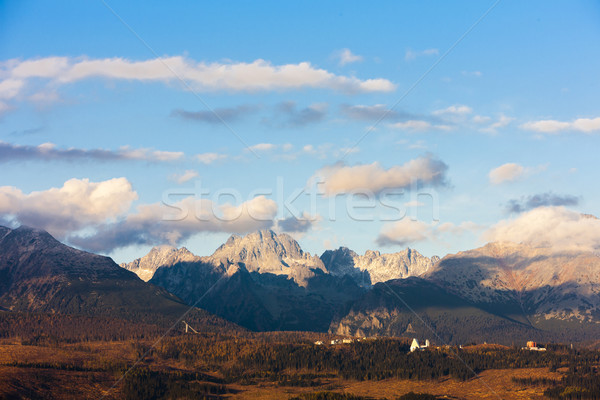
point(374, 267)
point(259, 244)
point(263, 251)
point(268, 252)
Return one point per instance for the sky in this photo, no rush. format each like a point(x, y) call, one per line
point(438, 126)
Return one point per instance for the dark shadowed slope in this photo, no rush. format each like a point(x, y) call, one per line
point(40, 274)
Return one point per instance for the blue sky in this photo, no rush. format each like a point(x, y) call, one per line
point(109, 109)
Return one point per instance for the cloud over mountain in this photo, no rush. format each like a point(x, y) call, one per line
point(555, 227)
point(76, 205)
point(159, 223)
point(404, 232)
point(342, 178)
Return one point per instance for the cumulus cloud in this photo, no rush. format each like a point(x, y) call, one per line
point(541, 200)
point(259, 75)
point(217, 115)
point(49, 151)
point(345, 56)
point(341, 178)
point(159, 223)
point(508, 172)
point(412, 54)
point(76, 205)
point(586, 125)
point(555, 227)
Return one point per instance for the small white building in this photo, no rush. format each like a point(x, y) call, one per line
point(347, 341)
point(415, 345)
point(319, 343)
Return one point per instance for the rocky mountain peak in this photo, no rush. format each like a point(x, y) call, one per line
point(534, 280)
point(159, 256)
point(268, 252)
point(260, 242)
point(373, 267)
point(27, 236)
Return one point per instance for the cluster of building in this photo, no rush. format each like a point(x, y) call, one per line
point(531, 346)
point(333, 342)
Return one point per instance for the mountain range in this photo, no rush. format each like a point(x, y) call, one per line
point(264, 281)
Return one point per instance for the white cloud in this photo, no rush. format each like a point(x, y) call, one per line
point(554, 227)
point(340, 178)
point(419, 125)
point(501, 122)
point(262, 147)
point(407, 231)
point(258, 75)
point(10, 88)
point(74, 206)
point(586, 125)
point(158, 223)
point(413, 125)
point(412, 55)
point(150, 155)
point(209, 158)
point(185, 177)
point(481, 119)
point(506, 173)
point(403, 232)
point(345, 56)
point(454, 110)
point(463, 227)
